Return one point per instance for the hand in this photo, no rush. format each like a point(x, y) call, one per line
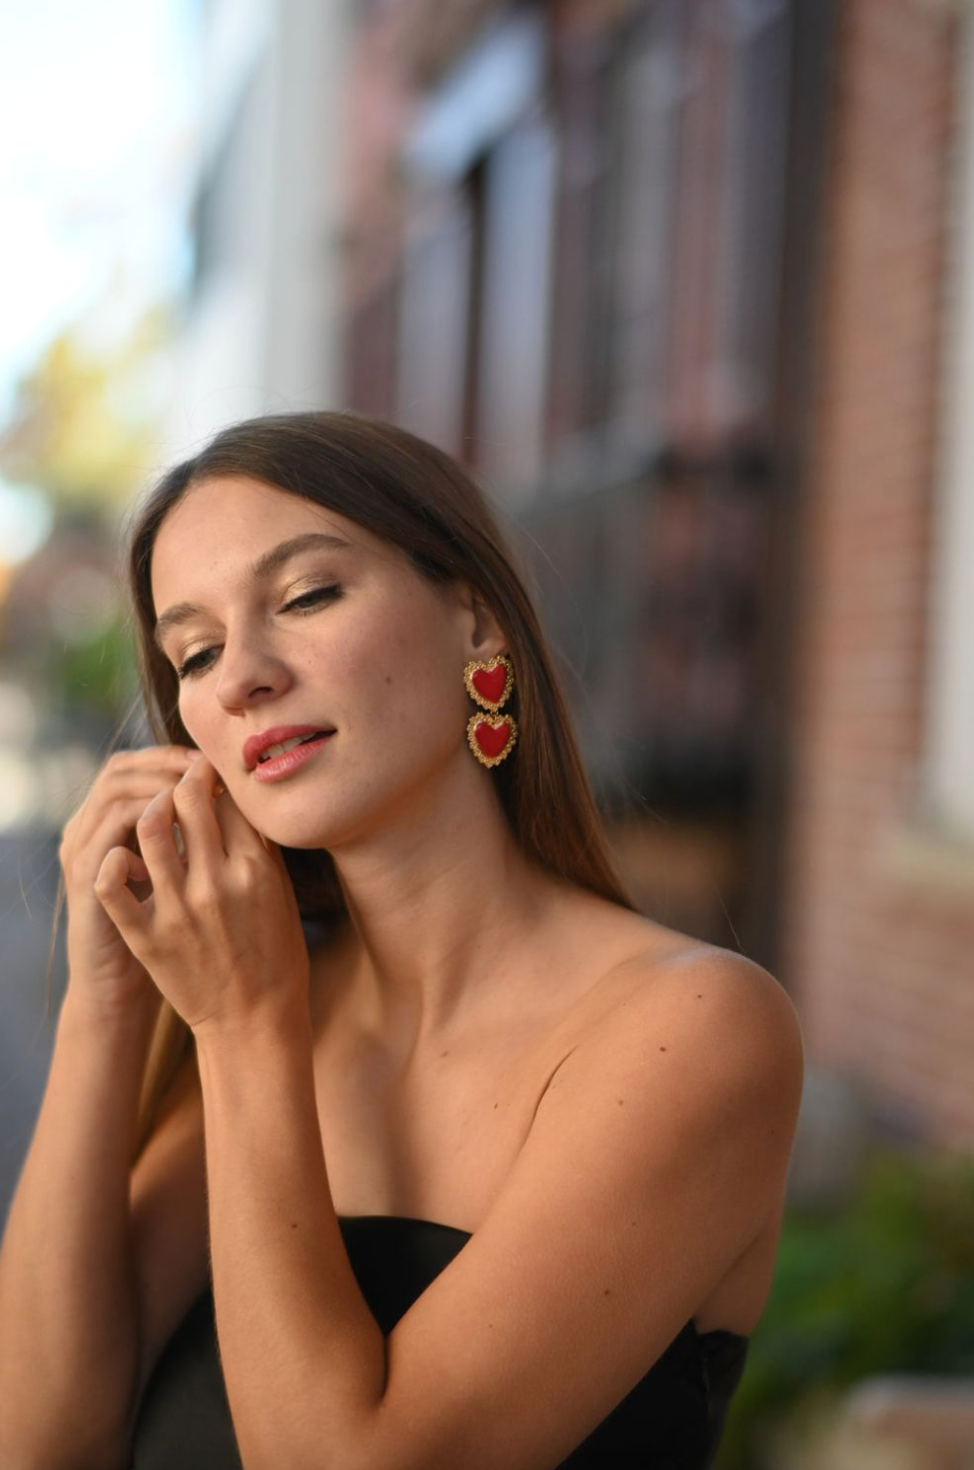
point(220, 934)
point(100, 964)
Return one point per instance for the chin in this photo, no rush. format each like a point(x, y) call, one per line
point(301, 829)
point(299, 833)
point(300, 842)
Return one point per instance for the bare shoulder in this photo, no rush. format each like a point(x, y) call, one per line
point(722, 1002)
point(694, 1015)
point(654, 969)
point(729, 997)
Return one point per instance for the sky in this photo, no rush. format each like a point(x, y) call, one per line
point(98, 115)
point(99, 124)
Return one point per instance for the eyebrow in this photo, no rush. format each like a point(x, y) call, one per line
point(263, 567)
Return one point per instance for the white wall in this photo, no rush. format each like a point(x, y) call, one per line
point(263, 333)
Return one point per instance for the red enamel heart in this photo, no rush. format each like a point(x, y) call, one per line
point(490, 682)
point(492, 738)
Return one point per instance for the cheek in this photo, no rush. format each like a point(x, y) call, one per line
point(190, 712)
point(422, 694)
point(375, 662)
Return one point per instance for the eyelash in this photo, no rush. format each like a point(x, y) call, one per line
point(191, 668)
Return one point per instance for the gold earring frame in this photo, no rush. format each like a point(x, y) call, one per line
point(494, 720)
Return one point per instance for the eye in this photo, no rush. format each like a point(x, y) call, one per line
point(194, 665)
point(312, 598)
point(199, 662)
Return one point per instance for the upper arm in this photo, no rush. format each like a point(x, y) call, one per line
point(656, 1156)
point(167, 1197)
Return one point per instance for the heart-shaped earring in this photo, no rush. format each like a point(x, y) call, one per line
point(489, 682)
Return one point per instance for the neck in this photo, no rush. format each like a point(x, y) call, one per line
point(441, 904)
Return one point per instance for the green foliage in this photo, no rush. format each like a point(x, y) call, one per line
point(96, 676)
point(885, 1287)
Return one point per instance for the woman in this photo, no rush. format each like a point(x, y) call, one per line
point(487, 1169)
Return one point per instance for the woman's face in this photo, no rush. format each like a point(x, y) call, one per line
point(342, 636)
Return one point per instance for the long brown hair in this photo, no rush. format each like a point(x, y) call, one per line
point(413, 495)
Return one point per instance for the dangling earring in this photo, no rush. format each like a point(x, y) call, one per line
point(491, 740)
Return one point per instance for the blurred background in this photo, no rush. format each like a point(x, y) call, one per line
point(689, 285)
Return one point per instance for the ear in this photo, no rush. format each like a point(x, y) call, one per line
point(484, 635)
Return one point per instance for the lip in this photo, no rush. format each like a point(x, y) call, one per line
point(290, 761)
point(255, 745)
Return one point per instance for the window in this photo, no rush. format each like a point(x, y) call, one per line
point(946, 795)
point(647, 103)
point(434, 320)
point(514, 318)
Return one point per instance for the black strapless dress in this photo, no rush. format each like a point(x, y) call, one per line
point(671, 1420)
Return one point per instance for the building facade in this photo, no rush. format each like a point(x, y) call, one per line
point(878, 912)
point(670, 276)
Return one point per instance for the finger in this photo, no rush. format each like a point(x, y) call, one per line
point(169, 758)
point(121, 811)
point(127, 913)
point(116, 828)
point(117, 795)
point(238, 834)
point(157, 843)
point(193, 799)
point(165, 753)
point(139, 880)
point(138, 872)
point(116, 823)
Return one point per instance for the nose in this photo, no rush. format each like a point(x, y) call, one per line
point(250, 673)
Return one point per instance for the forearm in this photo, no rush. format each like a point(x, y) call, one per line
point(68, 1308)
point(303, 1357)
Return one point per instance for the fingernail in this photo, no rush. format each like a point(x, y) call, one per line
point(195, 754)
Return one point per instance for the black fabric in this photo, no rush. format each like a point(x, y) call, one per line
point(671, 1420)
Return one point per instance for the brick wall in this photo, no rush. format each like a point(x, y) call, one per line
point(878, 960)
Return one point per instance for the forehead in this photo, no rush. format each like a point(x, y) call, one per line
point(222, 525)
